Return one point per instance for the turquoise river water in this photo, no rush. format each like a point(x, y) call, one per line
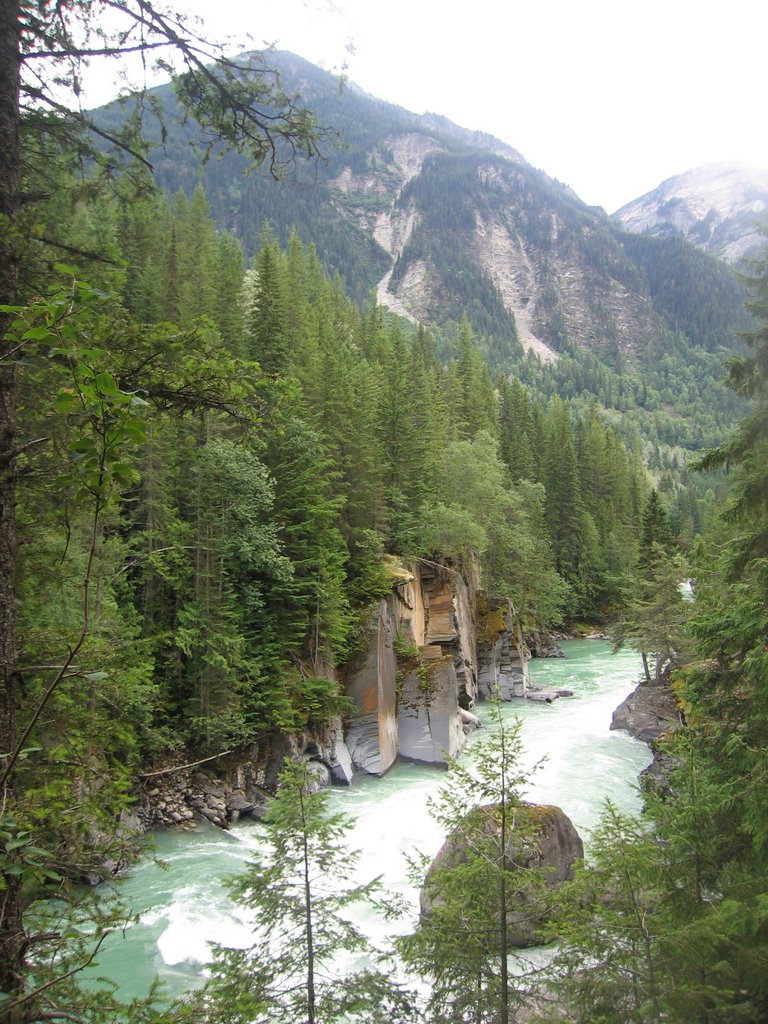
point(182, 906)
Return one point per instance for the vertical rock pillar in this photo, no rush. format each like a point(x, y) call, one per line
point(372, 734)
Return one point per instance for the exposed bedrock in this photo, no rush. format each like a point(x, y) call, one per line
point(647, 712)
point(436, 646)
point(429, 721)
point(650, 713)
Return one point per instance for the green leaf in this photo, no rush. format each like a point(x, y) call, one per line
point(66, 401)
point(83, 446)
point(24, 754)
point(38, 851)
point(136, 430)
point(16, 844)
point(36, 334)
point(65, 268)
point(93, 355)
point(106, 384)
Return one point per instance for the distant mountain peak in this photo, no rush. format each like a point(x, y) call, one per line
point(716, 206)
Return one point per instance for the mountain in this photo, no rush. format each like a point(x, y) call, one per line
point(717, 207)
point(438, 221)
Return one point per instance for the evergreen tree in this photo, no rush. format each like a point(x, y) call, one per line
point(476, 408)
point(561, 480)
point(308, 612)
point(471, 898)
point(676, 928)
point(197, 255)
point(611, 967)
point(301, 891)
point(515, 429)
point(655, 614)
point(656, 537)
point(267, 327)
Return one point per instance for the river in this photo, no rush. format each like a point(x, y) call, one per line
point(182, 906)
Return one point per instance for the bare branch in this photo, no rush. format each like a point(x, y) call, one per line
point(55, 981)
point(182, 767)
point(104, 51)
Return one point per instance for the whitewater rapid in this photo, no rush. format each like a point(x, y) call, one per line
point(182, 907)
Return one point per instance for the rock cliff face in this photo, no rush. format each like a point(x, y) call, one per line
point(436, 646)
point(372, 737)
point(504, 656)
point(426, 666)
point(648, 712)
point(536, 262)
point(717, 207)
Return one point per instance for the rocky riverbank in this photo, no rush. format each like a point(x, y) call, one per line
point(649, 713)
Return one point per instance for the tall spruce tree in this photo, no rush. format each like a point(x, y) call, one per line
point(471, 897)
point(656, 611)
point(42, 48)
point(676, 928)
point(564, 505)
point(303, 966)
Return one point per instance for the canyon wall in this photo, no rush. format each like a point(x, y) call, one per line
point(436, 647)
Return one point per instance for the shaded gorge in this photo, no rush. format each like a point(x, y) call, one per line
point(183, 906)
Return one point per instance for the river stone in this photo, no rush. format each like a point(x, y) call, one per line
point(333, 751)
point(545, 645)
point(656, 777)
point(546, 839)
point(363, 745)
point(469, 722)
point(318, 776)
point(647, 712)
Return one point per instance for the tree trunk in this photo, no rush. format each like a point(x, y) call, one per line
point(646, 668)
point(503, 945)
point(12, 937)
point(309, 932)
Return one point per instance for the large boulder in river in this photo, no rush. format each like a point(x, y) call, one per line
point(542, 847)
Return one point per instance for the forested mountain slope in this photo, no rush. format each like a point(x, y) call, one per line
point(463, 223)
point(438, 222)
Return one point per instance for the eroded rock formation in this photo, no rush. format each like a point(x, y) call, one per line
point(436, 647)
point(649, 711)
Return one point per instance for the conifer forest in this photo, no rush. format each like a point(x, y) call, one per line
point(219, 457)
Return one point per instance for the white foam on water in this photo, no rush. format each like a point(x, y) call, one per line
point(195, 922)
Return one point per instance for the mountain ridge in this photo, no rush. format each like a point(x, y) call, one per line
point(437, 221)
point(716, 206)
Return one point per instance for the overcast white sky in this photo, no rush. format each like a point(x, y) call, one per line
point(609, 96)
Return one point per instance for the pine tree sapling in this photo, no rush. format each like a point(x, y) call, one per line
point(309, 963)
point(487, 888)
